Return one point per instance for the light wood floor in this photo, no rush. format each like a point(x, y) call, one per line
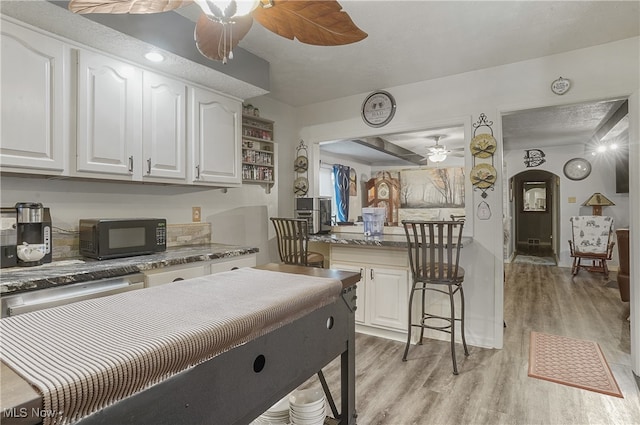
point(493, 386)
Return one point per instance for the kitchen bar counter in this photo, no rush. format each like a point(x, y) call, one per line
point(21, 279)
point(395, 240)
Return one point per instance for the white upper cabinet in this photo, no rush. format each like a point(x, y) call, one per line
point(215, 138)
point(34, 107)
point(130, 122)
point(164, 109)
point(109, 116)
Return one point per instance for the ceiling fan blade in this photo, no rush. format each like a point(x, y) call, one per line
point(210, 36)
point(316, 22)
point(126, 6)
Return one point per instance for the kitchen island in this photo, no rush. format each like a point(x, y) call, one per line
point(233, 386)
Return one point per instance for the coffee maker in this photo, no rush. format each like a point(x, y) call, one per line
point(8, 237)
point(34, 245)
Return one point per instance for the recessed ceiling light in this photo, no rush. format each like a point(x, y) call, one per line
point(154, 57)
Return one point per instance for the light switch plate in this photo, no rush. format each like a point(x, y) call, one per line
point(572, 199)
point(195, 214)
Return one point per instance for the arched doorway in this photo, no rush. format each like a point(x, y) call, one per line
point(536, 214)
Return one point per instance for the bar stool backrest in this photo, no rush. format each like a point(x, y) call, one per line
point(434, 250)
point(292, 235)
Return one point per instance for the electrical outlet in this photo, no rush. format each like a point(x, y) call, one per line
point(572, 199)
point(195, 214)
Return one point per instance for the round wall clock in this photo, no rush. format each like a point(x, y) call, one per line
point(577, 169)
point(378, 108)
point(560, 86)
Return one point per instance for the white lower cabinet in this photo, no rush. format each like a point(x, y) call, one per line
point(383, 292)
point(165, 275)
point(232, 263)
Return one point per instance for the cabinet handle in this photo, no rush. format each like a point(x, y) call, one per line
point(371, 273)
point(361, 273)
point(149, 166)
point(131, 164)
point(197, 172)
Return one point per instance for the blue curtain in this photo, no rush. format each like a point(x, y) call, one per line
point(341, 179)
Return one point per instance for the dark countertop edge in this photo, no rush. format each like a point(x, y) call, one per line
point(353, 239)
point(95, 269)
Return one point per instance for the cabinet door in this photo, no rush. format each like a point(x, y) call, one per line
point(165, 275)
point(215, 138)
point(109, 116)
point(163, 127)
point(360, 314)
point(387, 297)
point(34, 107)
point(228, 264)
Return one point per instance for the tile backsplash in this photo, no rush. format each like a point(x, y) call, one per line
point(65, 243)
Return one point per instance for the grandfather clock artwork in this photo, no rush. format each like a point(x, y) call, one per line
point(383, 191)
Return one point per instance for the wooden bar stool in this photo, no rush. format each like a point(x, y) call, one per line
point(293, 241)
point(434, 255)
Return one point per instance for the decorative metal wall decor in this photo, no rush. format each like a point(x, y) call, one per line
point(301, 169)
point(483, 146)
point(534, 158)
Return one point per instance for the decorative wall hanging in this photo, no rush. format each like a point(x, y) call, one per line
point(533, 158)
point(483, 146)
point(560, 86)
point(301, 168)
point(378, 108)
point(483, 212)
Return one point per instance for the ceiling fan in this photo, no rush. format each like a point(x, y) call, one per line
point(223, 23)
point(438, 153)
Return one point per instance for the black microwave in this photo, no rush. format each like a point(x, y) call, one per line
point(113, 238)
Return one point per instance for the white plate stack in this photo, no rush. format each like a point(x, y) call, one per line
point(307, 407)
point(278, 414)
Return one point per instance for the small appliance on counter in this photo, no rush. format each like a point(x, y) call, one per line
point(34, 238)
point(8, 237)
point(317, 212)
point(373, 220)
point(104, 238)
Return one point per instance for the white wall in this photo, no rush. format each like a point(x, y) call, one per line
point(602, 179)
point(600, 72)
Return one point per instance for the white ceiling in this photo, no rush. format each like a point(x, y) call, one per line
point(412, 41)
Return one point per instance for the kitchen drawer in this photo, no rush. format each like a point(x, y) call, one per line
point(172, 274)
point(226, 264)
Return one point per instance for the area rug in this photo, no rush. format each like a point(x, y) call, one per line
point(532, 259)
point(570, 361)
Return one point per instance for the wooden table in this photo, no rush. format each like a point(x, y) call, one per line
point(228, 388)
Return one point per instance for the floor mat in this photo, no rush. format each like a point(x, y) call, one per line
point(570, 361)
point(532, 259)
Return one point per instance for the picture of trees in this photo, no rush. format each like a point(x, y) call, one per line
point(432, 188)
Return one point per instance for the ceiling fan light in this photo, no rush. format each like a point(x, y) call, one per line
point(437, 157)
point(242, 8)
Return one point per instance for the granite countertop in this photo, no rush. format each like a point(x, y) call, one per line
point(22, 279)
point(386, 240)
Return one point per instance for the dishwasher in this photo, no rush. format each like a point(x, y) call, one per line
point(26, 302)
